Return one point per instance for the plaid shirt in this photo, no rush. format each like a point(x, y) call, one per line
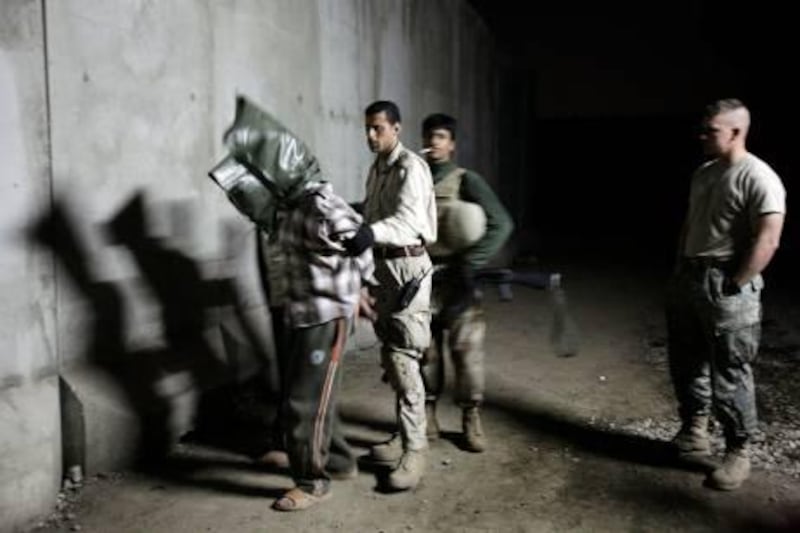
point(323, 282)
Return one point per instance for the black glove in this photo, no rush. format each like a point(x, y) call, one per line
point(363, 239)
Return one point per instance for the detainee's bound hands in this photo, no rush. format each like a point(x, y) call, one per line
point(366, 306)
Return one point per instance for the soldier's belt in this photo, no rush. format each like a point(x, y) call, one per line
point(393, 252)
point(700, 262)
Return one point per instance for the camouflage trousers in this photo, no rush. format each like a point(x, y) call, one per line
point(712, 340)
point(464, 340)
point(404, 335)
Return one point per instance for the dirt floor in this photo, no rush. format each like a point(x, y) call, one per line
point(577, 443)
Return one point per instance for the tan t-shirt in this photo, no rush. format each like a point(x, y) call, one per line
point(725, 203)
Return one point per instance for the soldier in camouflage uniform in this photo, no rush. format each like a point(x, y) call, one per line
point(458, 324)
point(733, 227)
point(400, 217)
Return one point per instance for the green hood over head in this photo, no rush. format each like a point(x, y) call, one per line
point(267, 165)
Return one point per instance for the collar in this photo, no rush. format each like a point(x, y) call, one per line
point(393, 156)
point(440, 170)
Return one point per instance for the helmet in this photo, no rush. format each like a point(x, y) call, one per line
point(461, 224)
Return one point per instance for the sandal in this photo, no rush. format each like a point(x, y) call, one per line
point(297, 499)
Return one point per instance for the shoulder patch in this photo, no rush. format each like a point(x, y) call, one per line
point(404, 160)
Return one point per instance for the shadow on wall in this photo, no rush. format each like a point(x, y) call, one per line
point(225, 408)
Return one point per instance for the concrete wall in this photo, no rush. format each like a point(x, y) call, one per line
point(126, 274)
point(30, 447)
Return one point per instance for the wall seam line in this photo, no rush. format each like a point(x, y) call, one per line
point(51, 181)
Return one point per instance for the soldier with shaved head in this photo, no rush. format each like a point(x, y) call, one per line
point(733, 226)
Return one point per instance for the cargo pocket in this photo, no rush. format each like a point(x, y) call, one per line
point(737, 311)
point(739, 346)
point(411, 331)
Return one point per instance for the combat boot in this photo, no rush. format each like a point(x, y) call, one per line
point(693, 439)
point(474, 438)
point(432, 425)
point(409, 471)
point(389, 451)
point(735, 468)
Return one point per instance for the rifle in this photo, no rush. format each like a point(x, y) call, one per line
point(563, 332)
point(505, 277)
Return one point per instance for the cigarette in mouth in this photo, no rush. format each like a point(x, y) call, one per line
point(425, 151)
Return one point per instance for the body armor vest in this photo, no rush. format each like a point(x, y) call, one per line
point(461, 224)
